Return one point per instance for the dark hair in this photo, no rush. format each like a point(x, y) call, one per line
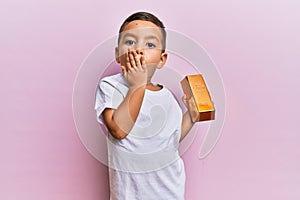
point(145, 16)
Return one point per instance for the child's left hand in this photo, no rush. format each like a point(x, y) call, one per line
point(187, 101)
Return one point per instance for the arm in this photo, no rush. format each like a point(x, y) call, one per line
point(120, 121)
point(187, 122)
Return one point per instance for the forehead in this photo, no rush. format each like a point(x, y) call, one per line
point(140, 27)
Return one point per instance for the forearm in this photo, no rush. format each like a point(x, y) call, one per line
point(126, 114)
point(187, 124)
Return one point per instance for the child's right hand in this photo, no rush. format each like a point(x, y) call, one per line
point(135, 70)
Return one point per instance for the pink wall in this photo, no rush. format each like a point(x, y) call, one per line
point(255, 45)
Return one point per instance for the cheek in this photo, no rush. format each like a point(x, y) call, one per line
point(122, 59)
point(122, 51)
point(152, 57)
point(121, 54)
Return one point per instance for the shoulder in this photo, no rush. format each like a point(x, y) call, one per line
point(114, 80)
point(168, 92)
point(173, 98)
point(110, 84)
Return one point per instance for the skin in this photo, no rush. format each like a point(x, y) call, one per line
point(139, 53)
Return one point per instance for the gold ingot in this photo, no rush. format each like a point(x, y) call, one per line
point(200, 104)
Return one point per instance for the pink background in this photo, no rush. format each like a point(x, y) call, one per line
point(255, 45)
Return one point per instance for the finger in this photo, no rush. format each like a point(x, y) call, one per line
point(128, 65)
point(137, 59)
point(184, 100)
point(132, 61)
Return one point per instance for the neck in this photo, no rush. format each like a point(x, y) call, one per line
point(152, 87)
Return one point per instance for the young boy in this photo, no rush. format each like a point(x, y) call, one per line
point(144, 121)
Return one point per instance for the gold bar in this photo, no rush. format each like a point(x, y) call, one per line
point(201, 107)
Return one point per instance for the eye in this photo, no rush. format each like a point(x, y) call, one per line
point(150, 45)
point(129, 42)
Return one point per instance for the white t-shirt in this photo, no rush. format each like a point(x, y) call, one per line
point(145, 165)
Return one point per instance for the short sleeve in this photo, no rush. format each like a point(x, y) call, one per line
point(107, 96)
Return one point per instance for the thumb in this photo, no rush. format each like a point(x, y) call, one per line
point(184, 98)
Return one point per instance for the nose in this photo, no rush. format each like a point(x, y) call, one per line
point(140, 51)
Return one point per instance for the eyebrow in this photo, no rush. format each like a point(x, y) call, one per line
point(147, 37)
point(129, 35)
point(153, 37)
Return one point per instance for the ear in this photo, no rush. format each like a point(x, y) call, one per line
point(117, 57)
point(163, 59)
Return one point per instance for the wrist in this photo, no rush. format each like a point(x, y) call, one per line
point(187, 114)
point(137, 87)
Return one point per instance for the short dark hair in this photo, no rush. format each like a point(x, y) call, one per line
point(145, 16)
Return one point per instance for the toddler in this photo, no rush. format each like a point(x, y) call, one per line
point(144, 121)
